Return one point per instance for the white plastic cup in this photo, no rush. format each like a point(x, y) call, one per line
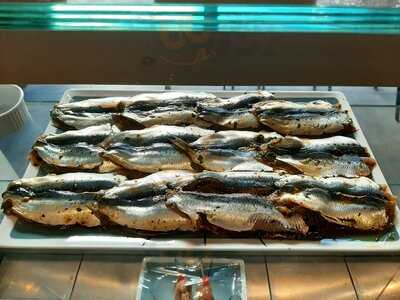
point(13, 110)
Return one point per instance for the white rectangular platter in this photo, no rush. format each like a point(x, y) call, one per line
point(15, 235)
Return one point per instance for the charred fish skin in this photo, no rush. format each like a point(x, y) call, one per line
point(365, 214)
point(308, 124)
point(272, 107)
point(325, 165)
point(221, 159)
point(234, 139)
point(336, 145)
point(230, 119)
point(148, 214)
point(358, 186)
point(260, 183)
point(152, 185)
point(81, 156)
point(68, 120)
point(157, 134)
point(233, 212)
point(148, 159)
point(56, 208)
point(91, 135)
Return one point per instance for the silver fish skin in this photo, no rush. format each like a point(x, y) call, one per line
point(77, 182)
point(335, 145)
point(289, 107)
point(170, 115)
point(56, 208)
point(91, 135)
point(68, 120)
point(234, 139)
point(148, 214)
point(157, 134)
point(148, 159)
point(230, 119)
point(79, 156)
point(308, 124)
point(97, 105)
point(234, 212)
point(151, 185)
point(236, 182)
point(358, 186)
point(221, 159)
point(241, 101)
point(329, 165)
point(368, 215)
point(153, 100)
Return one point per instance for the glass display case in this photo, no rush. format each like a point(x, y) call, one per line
point(299, 51)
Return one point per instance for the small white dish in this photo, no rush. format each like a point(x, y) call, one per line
point(13, 110)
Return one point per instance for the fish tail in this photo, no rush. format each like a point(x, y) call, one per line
point(34, 157)
point(370, 162)
point(297, 223)
point(124, 122)
point(187, 149)
point(183, 146)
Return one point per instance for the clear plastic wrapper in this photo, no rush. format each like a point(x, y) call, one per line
point(186, 278)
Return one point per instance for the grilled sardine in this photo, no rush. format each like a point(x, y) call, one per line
point(149, 214)
point(271, 107)
point(335, 145)
point(157, 134)
point(325, 165)
point(229, 119)
point(234, 212)
point(233, 182)
point(234, 139)
point(81, 156)
point(56, 208)
point(363, 214)
point(308, 124)
point(90, 135)
point(148, 159)
point(151, 185)
point(221, 159)
point(66, 119)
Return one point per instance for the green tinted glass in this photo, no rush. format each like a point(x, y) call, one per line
point(199, 17)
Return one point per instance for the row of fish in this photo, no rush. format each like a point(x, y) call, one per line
point(165, 201)
point(251, 111)
point(167, 147)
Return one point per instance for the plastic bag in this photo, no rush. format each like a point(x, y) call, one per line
point(185, 278)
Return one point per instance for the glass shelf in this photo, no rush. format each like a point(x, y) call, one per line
point(201, 17)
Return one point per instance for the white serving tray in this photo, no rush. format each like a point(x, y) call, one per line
point(15, 235)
